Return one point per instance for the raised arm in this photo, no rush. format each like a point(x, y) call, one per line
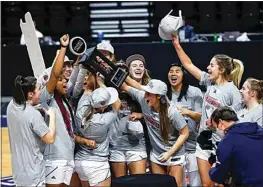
point(58, 65)
point(73, 76)
point(133, 83)
point(185, 60)
point(78, 87)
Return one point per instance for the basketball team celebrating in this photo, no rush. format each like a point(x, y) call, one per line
point(69, 127)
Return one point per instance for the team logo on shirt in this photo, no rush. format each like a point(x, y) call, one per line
point(151, 121)
point(212, 101)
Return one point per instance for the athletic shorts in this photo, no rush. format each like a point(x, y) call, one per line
point(40, 184)
point(203, 154)
point(173, 161)
point(59, 171)
point(191, 163)
point(127, 156)
point(92, 171)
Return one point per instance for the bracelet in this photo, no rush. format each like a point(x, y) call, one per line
point(63, 46)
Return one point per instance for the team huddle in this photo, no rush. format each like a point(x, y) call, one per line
point(69, 127)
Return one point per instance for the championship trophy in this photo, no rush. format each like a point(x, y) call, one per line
point(95, 62)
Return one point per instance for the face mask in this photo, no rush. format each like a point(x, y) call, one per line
point(220, 133)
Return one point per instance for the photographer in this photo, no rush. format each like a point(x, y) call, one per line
point(240, 152)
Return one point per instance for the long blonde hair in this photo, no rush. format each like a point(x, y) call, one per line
point(233, 68)
point(146, 77)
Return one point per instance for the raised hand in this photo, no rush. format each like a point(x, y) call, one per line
point(175, 40)
point(64, 40)
point(100, 80)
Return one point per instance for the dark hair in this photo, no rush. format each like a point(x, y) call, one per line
point(224, 113)
point(185, 84)
point(22, 86)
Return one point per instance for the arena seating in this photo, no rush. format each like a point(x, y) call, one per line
point(54, 18)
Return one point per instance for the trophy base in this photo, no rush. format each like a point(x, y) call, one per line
point(118, 78)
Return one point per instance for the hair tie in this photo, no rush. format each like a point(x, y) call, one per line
point(163, 101)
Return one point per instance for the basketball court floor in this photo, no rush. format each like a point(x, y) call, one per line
point(6, 169)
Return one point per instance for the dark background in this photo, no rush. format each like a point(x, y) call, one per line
point(15, 60)
point(56, 18)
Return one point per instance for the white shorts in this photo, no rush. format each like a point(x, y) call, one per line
point(127, 156)
point(203, 154)
point(92, 171)
point(191, 163)
point(59, 171)
point(40, 184)
point(175, 160)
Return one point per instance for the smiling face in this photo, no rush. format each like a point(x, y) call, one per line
point(137, 70)
point(152, 100)
point(68, 70)
point(246, 93)
point(61, 86)
point(213, 70)
point(175, 76)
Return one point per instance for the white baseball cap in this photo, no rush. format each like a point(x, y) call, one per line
point(104, 45)
point(155, 86)
point(135, 128)
point(102, 97)
point(169, 25)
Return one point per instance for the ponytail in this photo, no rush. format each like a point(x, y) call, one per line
point(237, 72)
point(233, 68)
point(22, 86)
point(164, 120)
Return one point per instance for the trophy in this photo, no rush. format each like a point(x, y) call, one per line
point(95, 62)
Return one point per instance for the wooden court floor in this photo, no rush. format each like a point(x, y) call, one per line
point(6, 169)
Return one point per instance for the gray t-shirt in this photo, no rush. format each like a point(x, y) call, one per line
point(152, 121)
point(193, 102)
point(215, 97)
point(120, 137)
point(63, 146)
point(25, 129)
point(96, 129)
point(254, 115)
